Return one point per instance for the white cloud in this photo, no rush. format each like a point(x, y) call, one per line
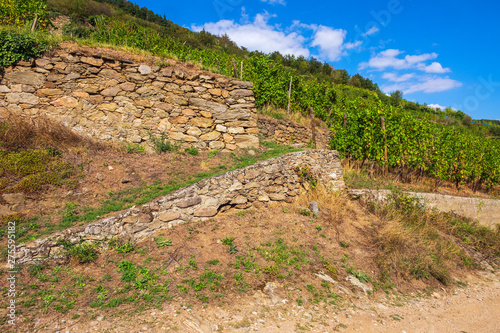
point(389, 59)
point(426, 84)
point(435, 67)
point(371, 31)
point(274, 2)
point(331, 42)
point(258, 35)
point(436, 106)
point(395, 78)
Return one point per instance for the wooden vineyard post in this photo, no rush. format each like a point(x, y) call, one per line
point(35, 22)
point(386, 163)
point(345, 128)
point(234, 69)
point(289, 95)
point(201, 62)
point(313, 129)
point(218, 65)
point(241, 71)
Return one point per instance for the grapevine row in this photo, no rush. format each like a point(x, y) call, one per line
point(444, 152)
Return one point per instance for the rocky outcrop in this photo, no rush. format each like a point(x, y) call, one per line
point(118, 100)
point(277, 179)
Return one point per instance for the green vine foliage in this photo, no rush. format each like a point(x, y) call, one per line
point(21, 12)
point(14, 47)
point(444, 152)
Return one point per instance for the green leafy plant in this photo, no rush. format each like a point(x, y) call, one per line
point(192, 151)
point(132, 148)
point(125, 248)
point(84, 251)
point(161, 242)
point(161, 143)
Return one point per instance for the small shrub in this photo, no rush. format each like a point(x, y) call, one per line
point(18, 47)
point(161, 143)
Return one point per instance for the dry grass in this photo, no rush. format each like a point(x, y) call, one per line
point(368, 175)
point(294, 116)
point(18, 133)
point(413, 242)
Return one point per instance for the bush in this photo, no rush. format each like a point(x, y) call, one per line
point(14, 47)
point(76, 31)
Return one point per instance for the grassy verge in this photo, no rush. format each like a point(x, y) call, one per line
point(415, 243)
point(357, 176)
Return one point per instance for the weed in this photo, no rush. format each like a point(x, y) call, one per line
point(213, 262)
point(161, 242)
point(193, 264)
point(304, 212)
point(132, 148)
point(161, 143)
point(125, 248)
point(84, 251)
point(192, 151)
point(128, 270)
point(212, 153)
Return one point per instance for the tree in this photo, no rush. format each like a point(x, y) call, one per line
point(396, 97)
point(467, 121)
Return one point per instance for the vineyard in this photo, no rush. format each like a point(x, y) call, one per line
point(364, 128)
point(391, 138)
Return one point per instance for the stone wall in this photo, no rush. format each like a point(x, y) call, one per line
point(288, 132)
point(114, 99)
point(486, 211)
point(274, 180)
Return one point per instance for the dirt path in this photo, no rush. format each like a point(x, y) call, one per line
point(474, 307)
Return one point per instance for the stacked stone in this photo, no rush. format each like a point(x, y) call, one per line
point(274, 180)
point(287, 132)
point(119, 100)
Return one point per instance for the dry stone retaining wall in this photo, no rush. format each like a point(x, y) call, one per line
point(113, 99)
point(277, 179)
point(287, 132)
point(486, 211)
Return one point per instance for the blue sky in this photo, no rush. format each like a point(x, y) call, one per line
point(443, 53)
